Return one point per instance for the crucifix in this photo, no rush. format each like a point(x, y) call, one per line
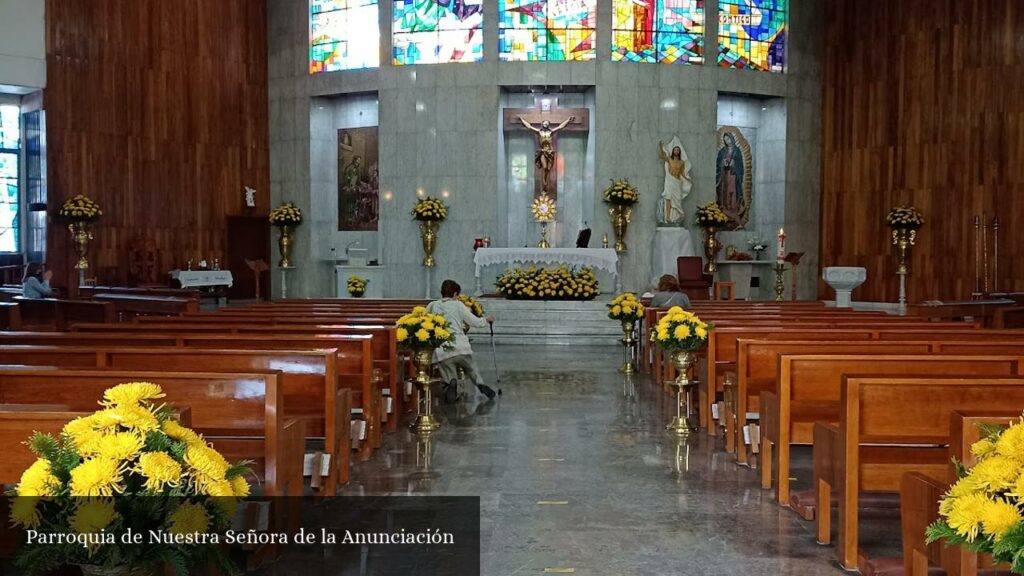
point(545, 120)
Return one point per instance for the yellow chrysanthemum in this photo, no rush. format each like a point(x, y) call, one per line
point(120, 446)
point(983, 447)
point(401, 334)
point(442, 333)
point(240, 486)
point(25, 513)
point(961, 488)
point(616, 310)
point(995, 473)
point(134, 417)
point(427, 325)
point(220, 489)
point(422, 335)
point(159, 469)
point(38, 480)
point(999, 517)
point(92, 516)
point(701, 332)
point(1011, 443)
point(131, 394)
point(663, 334)
point(178, 432)
point(681, 332)
point(208, 465)
point(966, 514)
point(189, 518)
point(419, 310)
point(97, 477)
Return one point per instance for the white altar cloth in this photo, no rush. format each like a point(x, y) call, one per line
point(600, 258)
point(201, 278)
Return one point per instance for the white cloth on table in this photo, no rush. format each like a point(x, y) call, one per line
point(601, 258)
point(200, 278)
point(669, 244)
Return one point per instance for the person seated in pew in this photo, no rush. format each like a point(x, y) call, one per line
point(460, 355)
point(36, 284)
point(669, 294)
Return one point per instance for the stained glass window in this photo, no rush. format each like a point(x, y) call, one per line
point(10, 199)
point(437, 31)
point(343, 35)
point(667, 31)
point(752, 34)
point(534, 30)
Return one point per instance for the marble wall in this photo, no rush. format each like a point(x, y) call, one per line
point(440, 135)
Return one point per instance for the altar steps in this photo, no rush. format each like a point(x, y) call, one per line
point(549, 323)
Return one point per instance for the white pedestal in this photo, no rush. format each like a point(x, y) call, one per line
point(669, 244)
point(374, 274)
point(843, 279)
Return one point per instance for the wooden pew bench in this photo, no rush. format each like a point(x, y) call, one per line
point(242, 415)
point(131, 305)
point(889, 426)
point(809, 389)
point(920, 495)
point(10, 316)
point(309, 383)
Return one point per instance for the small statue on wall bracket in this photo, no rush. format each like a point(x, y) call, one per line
point(249, 198)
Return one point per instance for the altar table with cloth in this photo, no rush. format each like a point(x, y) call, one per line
point(600, 258)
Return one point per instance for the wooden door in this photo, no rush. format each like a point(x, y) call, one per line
point(248, 238)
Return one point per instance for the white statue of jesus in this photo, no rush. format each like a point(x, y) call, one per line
point(677, 183)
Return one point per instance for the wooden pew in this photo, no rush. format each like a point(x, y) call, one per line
point(69, 312)
point(920, 495)
point(386, 357)
point(309, 380)
point(93, 291)
point(130, 305)
point(809, 387)
point(1009, 317)
point(757, 368)
point(757, 362)
point(242, 415)
point(10, 316)
point(889, 426)
point(721, 349)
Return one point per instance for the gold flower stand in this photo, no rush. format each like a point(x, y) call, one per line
point(424, 422)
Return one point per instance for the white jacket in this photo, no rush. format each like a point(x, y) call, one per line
point(457, 315)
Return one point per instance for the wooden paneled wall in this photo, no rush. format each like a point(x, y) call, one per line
point(921, 105)
point(157, 110)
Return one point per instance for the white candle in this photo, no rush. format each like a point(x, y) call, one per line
point(780, 253)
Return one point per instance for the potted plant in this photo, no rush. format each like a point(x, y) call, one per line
point(429, 212)
point(285, 217)
point(621, 196)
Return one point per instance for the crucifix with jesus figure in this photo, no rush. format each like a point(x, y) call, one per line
point(545, 120)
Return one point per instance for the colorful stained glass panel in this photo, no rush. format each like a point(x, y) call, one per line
point(752, 34)
point(10, 198)
point(668, 31)
point(537, 30)
point(343, 35)
point(437, 31)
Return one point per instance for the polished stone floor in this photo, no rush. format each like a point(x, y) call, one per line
point(574, 471)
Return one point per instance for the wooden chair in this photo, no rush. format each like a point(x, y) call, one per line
point(728, 288)
point(692, 280)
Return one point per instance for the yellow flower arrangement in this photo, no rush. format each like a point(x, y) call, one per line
point(356, 286)
point(548, 284)
point(287, 214)
point(621, 193)
point(473, 304)
point(904, 217)
point(429, 209)
point(79, 208)
point(625, 308)
point(711, 215)
point(421, 330)
point(128, 464)
point(982, 509)
point(680, 330)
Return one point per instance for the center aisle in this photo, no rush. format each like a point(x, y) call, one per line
point(573, 470)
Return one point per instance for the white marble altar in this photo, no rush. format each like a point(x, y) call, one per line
point(843, 279)
point(600, 258)
point(741, 272)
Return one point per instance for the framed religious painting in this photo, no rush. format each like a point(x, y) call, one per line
point(734, 177)
point(358, 179)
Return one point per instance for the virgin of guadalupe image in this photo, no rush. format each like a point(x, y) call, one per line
point(731, 179)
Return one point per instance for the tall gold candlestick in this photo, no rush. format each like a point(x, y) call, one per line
point(780, 286)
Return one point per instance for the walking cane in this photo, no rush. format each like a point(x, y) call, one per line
point(494, 357)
